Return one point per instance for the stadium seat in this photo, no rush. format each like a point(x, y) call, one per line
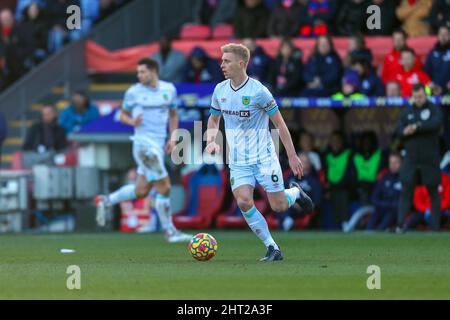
point(195, 32)
point(205, 193)
point(223, 31)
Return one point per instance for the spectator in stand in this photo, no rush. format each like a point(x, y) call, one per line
point(322, 73)
point(357, 50)
point(306, 146)
point(412, 14)
point(386, 196)
point(260, 63)
point(201, 68)
point(9, 4)
point(438, 62)
point(393, 89)
point(22, 5)
point(310, 183)
point(80, 112)
point(367, 162)
point(440, 14)
point(391, 64)
point(371, 84)
point(351, 17)
point(389, 21)
point(18, 47)
point(317, 17)
point(351, 86)
point(171, 61)
point(338, 172)
point(250, 20)
point(46, 135)
point(34, 23)
point(3, 131)
point(284, 19)
point(286, 74)
point(419, 126)
point(90, 13)
point(57, 12)
point(408, 75)
point(214, 12)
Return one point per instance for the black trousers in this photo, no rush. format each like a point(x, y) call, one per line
point(410, 179)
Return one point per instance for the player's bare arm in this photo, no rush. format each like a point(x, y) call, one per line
point(294, 161)
point(173, 126)
point(211, 134)
point(125, 117)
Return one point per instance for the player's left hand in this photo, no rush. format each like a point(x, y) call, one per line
point(170, 145)
point(296, 166)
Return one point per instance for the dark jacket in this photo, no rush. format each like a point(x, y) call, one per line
point(251, 23)
point(438, 65)
point(55, 139)
point(290, 74)
point(211, 70)
point(259, 65)
point(371, 85)
point(284, 22)
point(422, 147)
point(328, 68)
point(351, 18)
point(387, 192)
point(439, 14)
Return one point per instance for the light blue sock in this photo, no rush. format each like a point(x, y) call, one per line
point(292, 194)
point(125, 193)
point(258, 224)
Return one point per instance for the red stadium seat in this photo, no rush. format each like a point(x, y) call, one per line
point(223, 31)
point(195, 32)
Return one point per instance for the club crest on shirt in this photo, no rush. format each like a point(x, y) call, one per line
point(166, 96)
point(245, 100)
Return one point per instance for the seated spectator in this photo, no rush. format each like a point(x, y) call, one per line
point(412, 14)
point(439, 14)
point(391, 64)
point(3, 131)
point(371, 84)
point(351, 17)
point(367, 161)
point(201, 68)
point(386, 196)
point(306, 146)
point(351, 86)
point(90, 13)
point(388, 19)
point(46, 135)
point(357, 50)
point(310, 183)
point(80, 112)
point(214, 12)
point(316, 17)
point(260, 63)
point(250, 20)
point(338, 173)
point(286, 74)
point(408, 75)
point(323, 70)
point(171, 61)
point(57, 16)
point(393, 89)
point(34, 23)
point(23, 4)
point(18, 46)
point(284, 19)
point(438, 62)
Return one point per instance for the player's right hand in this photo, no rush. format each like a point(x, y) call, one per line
point(137, 121)
point(212, 148)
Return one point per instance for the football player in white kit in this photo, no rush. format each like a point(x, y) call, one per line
point(148, 106)
point(246, 106)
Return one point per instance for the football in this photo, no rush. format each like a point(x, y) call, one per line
point(203, 247)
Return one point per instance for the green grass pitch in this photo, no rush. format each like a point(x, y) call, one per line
point(316, 266)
